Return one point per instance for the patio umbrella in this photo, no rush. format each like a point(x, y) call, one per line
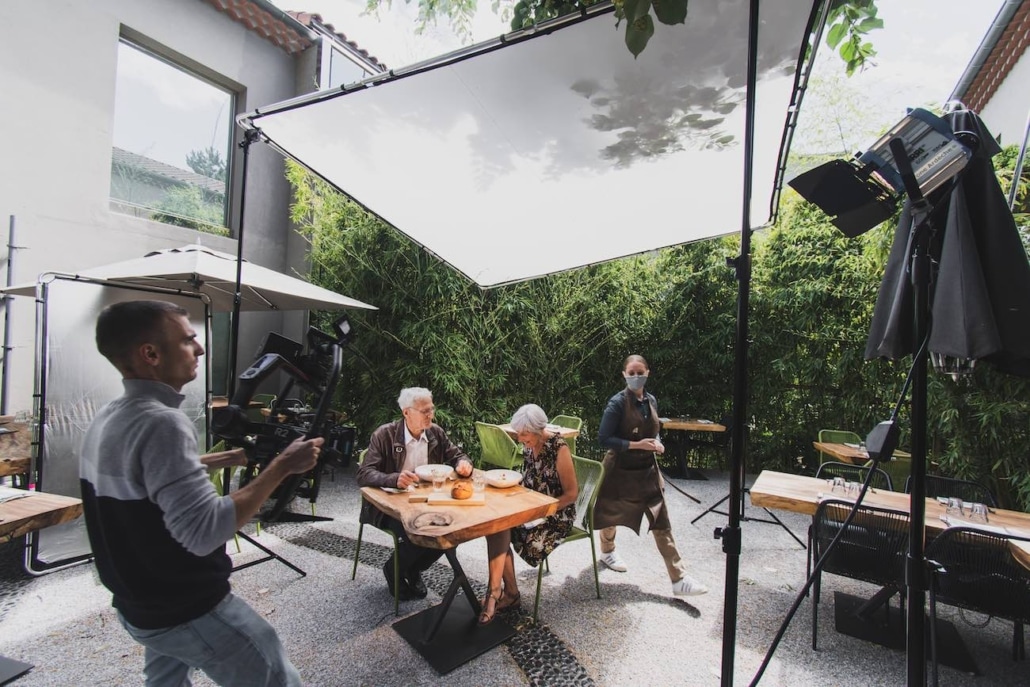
point(972, 296)
point(197, 269)
point(980, 293)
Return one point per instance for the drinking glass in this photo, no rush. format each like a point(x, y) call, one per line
point(954, 506)
point(478, 481)
point(978, 511)
point(838, 484)
point(438, 480)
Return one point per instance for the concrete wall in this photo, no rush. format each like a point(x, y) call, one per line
point(57, 79)
point(1007, 111)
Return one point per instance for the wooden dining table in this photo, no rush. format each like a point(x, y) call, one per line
point(448, 635)
point(23, 512)
point(679, 448)
point(802, 494)
point(851, 453)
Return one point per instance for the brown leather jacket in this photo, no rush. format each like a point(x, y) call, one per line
point(382, 464)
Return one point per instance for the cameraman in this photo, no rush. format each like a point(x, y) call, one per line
point(156, 525)
point(394, 451)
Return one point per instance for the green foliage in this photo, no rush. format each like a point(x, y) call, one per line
point(207, 162)
point(849, 21)
point(560, 341)
point(190, 206)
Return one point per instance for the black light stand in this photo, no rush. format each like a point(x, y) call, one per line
point(915, 569)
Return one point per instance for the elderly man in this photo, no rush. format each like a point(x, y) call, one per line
point(394, 451)
point(156, 525)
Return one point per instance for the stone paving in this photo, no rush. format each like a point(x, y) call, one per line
point(338, 631)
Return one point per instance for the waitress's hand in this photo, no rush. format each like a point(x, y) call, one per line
point(653, 445)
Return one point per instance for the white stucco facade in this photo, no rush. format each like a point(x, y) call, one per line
point(1007, 111)
point(58, 65)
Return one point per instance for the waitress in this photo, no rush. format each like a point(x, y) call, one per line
point(632, 486)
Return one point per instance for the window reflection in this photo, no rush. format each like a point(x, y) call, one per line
point(169, 162)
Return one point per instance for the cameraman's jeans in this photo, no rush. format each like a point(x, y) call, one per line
point(232, 644)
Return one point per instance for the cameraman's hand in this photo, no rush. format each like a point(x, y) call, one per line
point(464, 468)
point(300, 456)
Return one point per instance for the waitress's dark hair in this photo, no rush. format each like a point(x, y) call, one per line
point(634, 359)
point(122, 327)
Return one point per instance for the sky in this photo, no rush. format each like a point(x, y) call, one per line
point(923, 49)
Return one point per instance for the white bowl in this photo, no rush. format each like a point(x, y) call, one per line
point(502, 479)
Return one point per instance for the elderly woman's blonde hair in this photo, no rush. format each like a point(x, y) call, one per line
point(529, 418)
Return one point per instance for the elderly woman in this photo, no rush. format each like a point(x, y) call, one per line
point(548, 469)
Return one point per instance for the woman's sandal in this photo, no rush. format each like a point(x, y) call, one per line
point(487, 616)
point(507, 602)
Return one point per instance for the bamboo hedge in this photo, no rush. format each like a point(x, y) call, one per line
point(559, 341)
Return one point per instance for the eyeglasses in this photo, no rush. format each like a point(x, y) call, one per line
point(425, 411)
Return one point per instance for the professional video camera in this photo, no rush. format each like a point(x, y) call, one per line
point(317, 371)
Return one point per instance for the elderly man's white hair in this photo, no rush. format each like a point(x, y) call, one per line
point(529, 418)
point(412, 395)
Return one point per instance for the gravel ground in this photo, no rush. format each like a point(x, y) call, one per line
point(338, 631)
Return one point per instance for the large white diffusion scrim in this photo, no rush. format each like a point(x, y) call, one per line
point(562, 150)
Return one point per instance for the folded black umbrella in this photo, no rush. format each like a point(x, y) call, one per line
point(980, 286)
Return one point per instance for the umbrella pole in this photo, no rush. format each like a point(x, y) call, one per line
point(249, 136)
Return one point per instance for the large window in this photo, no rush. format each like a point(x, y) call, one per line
point(172, 143)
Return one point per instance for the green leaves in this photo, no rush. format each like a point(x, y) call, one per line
point(848, 23)
point(638, 33)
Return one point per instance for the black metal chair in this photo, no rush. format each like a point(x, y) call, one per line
point(975, 569)
point(855, 473)
point(872, 549)
point(972, 492)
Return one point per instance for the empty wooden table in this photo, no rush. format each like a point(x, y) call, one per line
point(23, 512)
point(688, 425)
point(447, 635)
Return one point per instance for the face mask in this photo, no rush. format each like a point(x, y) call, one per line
point(636, 383)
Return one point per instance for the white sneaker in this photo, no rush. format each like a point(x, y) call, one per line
point(688, 587)
point(614, 561)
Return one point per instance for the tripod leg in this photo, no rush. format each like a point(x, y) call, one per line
point(271, 555)
point(789, 531)
point(673, 485)
point(712, 509)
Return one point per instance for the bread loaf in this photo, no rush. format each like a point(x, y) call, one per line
point(461, 490)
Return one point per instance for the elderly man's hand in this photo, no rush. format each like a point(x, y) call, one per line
point(464, 468)
point(406, 479)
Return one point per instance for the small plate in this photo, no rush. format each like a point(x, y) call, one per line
point(502, 479)
point(426, 472)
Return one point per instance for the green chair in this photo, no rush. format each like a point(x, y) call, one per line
point(589, 475)
point(396, 561)
point(570, 422)
point(836, 436)
point(254, 414)
point(497, 448)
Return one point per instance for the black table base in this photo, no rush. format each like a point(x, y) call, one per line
point(449, 635)
point(887, 628)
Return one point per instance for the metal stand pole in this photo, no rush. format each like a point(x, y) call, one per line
point(249, 137)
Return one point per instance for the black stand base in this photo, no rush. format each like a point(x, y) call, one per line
point(270, 556)
point(672, 484)
point(11, 669)
point(887, 628)
point(714, 508)
point(448, 636)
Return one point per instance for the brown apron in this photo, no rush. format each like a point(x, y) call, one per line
point(632, 486)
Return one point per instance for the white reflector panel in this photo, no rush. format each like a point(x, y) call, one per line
point(561, 150)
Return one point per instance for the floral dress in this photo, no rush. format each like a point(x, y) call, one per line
point(540, 473)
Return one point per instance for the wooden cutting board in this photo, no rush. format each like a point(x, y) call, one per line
point(446, 500)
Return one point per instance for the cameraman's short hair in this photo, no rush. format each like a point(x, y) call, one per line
point(412, 395)
point(529, 418)
point(123, 327)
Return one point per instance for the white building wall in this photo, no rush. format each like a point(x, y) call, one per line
point(57, 80)
point(1006, 113)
